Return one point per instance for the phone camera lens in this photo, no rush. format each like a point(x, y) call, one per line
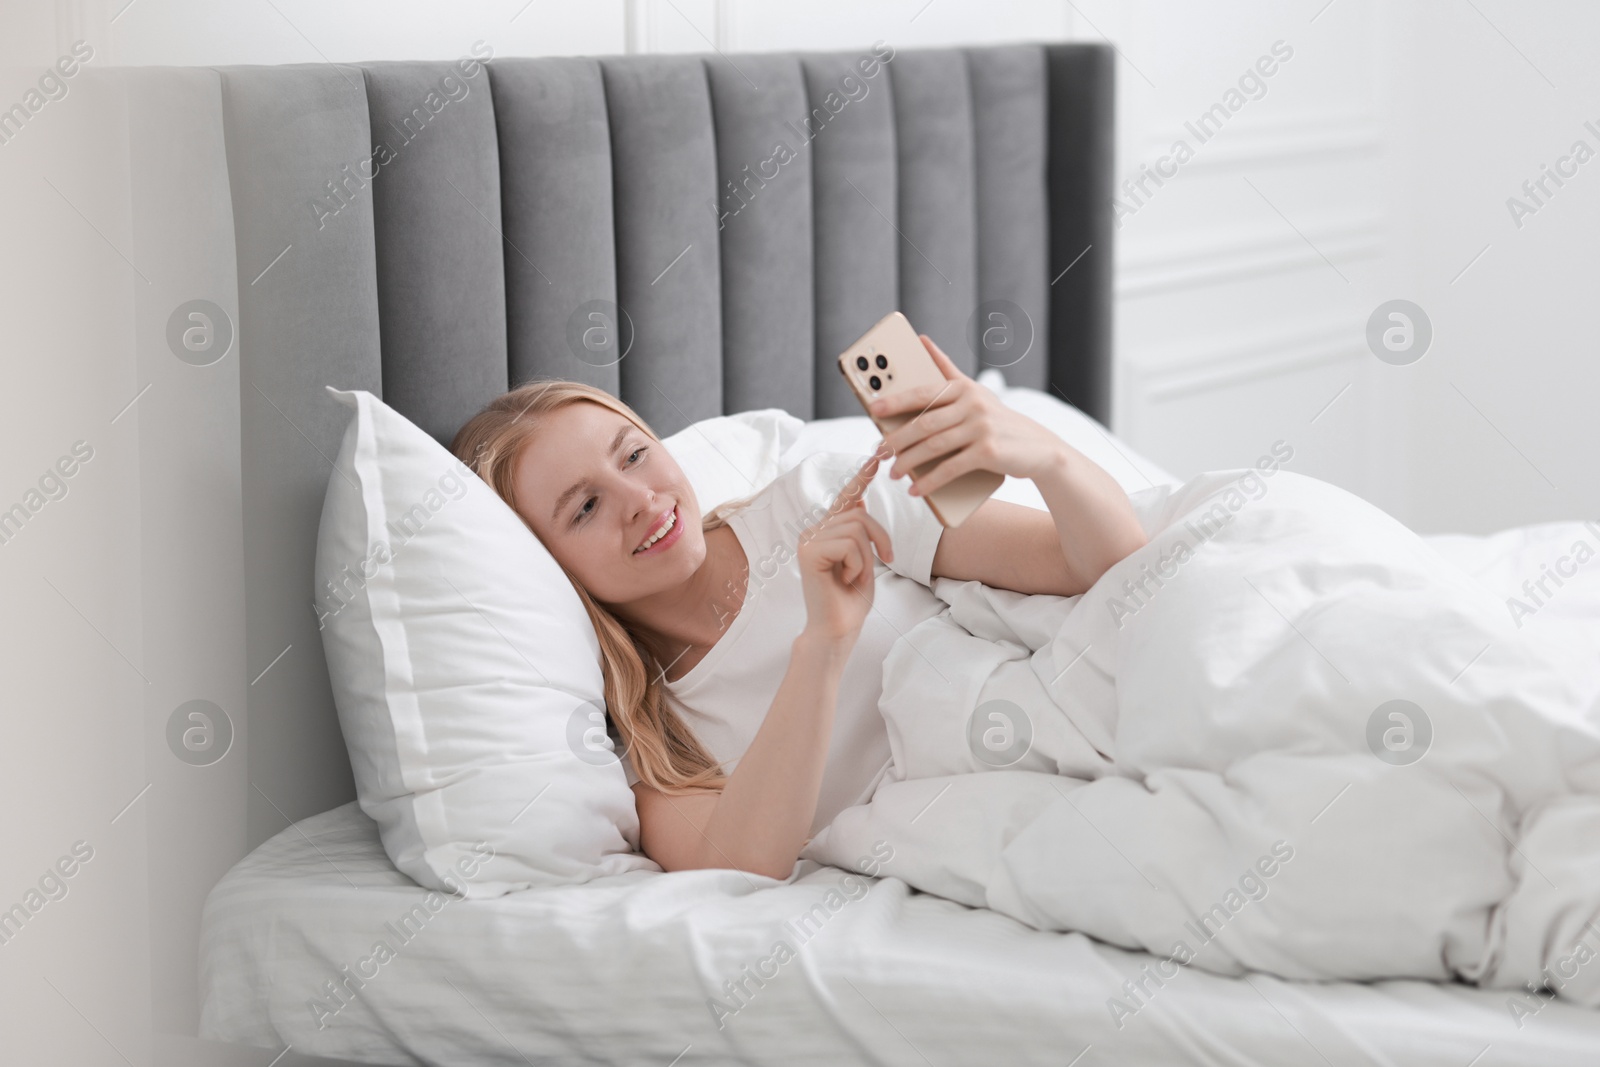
point(883, 362)
point(861, 362)
point(875, 382)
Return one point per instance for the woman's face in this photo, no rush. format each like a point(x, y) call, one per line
point(595, 488)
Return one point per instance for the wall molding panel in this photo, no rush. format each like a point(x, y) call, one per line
point(1252, 143)
point(1246, 361)
point(1205, 259)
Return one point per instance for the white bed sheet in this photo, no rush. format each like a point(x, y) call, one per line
point(621, 970)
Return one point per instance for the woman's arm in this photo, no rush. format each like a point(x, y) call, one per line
point(761, 818)
point(1091, 524)
point(1089, 527)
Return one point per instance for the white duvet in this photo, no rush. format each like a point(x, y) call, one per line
point(1287, 735)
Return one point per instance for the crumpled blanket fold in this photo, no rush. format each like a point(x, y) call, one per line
point(1286, 735)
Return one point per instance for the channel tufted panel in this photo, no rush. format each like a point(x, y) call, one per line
point(436, 207)
point(664, 166)
point(703, 235)
point(1010, 122)
point(1081, 146)
point(763, 206)
point(555, 193)
point(938, 210)
point(308, 316)
point(851, 137)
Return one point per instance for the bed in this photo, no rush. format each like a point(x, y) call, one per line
point(436, 232)
point(629, 969)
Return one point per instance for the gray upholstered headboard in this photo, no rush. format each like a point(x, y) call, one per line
point(438, 232)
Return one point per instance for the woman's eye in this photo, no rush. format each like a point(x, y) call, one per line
point(589, 505)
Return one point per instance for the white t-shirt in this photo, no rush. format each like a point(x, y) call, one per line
point(726, 696)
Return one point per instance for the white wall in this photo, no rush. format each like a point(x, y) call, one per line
point(1245, 278)
point(308, 31)
point(215, 32)
point(1504, 416)
point(74, 979)
point(1377, 166)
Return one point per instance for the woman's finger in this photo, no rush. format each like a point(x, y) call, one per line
point(856, 487)
point(840, 550)
point(948, 470)
point(880, 537)
point(856, 559)
point(915, 399)
point(872, 532)
point(946, 365)
point(925, 422)
point(869, 535)
point(865, 572)
point(931, 448)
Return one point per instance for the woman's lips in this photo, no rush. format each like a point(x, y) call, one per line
point(669, 539)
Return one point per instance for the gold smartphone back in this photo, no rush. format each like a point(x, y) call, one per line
point(893, 354)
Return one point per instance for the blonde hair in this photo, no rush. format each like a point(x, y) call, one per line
point(664, 752)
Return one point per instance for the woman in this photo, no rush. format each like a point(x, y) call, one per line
point(668, 590)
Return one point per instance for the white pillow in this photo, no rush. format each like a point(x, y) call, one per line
point(732, 456)
point(465, 671)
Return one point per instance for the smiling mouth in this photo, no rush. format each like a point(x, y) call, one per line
point(662, 532)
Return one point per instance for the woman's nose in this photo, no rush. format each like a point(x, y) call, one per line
point(644, 499)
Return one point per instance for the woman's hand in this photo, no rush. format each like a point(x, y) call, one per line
point(969, 425)
point(836, 562)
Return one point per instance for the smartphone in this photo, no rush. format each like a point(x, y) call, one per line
point(890, 359)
